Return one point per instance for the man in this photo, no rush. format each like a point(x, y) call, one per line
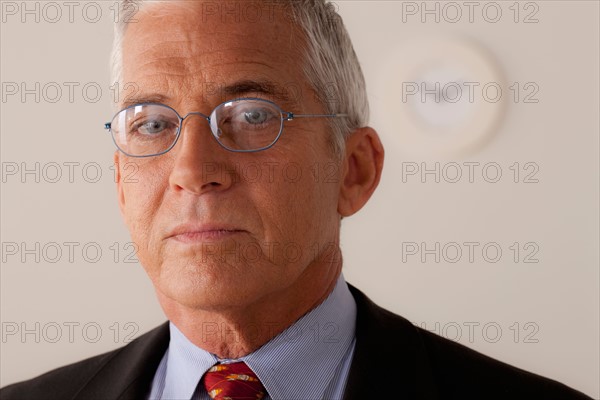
point(252, 144)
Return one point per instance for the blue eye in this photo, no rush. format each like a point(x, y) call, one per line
point(256, 116)
point(152, 127)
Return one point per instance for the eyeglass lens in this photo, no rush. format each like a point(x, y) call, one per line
point(242, 125)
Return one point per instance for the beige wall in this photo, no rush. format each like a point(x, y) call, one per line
point(540, 315)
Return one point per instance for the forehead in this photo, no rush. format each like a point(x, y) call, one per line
point(182, 44)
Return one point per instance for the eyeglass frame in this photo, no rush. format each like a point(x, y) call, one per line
point(285, 116)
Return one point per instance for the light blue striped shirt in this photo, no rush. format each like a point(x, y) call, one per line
point(309, 360)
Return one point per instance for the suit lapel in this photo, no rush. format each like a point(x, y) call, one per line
point(128, 373)
point(389, 360)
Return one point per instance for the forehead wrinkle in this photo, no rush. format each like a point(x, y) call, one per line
point(186, 55)
point(159, 67)
point(194, 43)
point(245, 54)
point(211, 33)
point(174, 56)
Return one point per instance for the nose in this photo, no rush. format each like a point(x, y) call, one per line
point(200, 163)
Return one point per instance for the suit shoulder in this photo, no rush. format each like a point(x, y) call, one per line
point(66, 382)
point(455, 366)
point(60, 383)
point(454, 370)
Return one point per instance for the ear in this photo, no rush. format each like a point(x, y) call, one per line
point(118, 181)
point(362, 166)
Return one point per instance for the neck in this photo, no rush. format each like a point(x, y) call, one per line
point(237, 331)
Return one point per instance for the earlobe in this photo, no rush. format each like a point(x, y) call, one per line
point(363, 163)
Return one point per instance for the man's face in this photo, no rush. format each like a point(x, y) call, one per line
point(214, 228)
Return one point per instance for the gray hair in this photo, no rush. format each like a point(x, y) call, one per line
point(330, 63)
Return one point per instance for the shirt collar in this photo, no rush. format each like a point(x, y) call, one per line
point(186, 363)
point(301, 359)
point(304, 357)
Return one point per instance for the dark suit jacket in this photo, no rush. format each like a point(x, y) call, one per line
point(393, 359)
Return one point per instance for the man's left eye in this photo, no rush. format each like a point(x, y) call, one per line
point(256, 117)
point(153, 127)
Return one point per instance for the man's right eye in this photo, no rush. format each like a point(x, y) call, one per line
point(150, 127)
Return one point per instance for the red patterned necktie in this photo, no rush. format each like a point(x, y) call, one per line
point(234, 381)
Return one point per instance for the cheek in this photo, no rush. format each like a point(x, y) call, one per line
point(299, 204)
point(143, 192)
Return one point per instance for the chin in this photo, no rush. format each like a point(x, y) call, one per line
point(207, 286)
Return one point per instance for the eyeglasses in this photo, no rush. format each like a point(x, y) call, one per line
point(242, 125)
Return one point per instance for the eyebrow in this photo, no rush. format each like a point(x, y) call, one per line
point(235, 89)
point(153, 98)
point(250, 86)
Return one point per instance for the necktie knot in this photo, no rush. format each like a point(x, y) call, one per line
point(235, 381)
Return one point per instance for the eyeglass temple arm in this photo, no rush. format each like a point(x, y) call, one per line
point(290, 116)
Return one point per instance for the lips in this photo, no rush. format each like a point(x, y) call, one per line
point(202, 232)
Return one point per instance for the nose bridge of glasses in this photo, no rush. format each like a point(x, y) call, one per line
point(206, 117)
point(185, 119)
